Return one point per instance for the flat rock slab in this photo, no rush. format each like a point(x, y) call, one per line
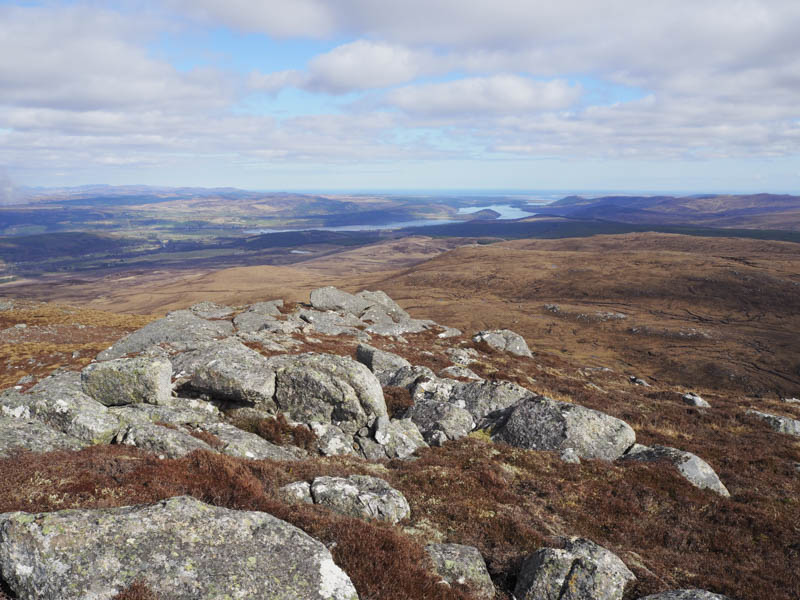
point(211, 310)
point(360, 496)
point(245, 444)
point(440, 421)
point(163, 441)
point(456, 563)
point(540, 423)
point(582, 570)
point(778, 423)
point(129, 381)
point(181, 548)
point(693, 468)
point(383, 364)
point(23, 434)
point(178, 326)
point(331, 298)
point(504, 340)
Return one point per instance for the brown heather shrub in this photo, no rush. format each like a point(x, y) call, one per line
point(138, 590)
point(278, 431)
point(398, 399)
point(207, 437)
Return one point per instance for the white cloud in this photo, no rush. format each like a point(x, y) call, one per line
point(498, 94)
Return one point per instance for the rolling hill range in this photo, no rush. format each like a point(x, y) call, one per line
point(756, 211)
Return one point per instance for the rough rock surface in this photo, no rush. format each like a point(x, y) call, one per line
point(504, 340)
point(397, 438)
point(331, 298)
point(383, 364)
point(16, 434)
point(778, 423)
point(328, 388)
point(251, 320)
point(57, 401)
point(211, 310)
point(361, 496)
point(695, 400)
point(129, 381)
point(440, 421)
point(456, 563)
point(230, 371)
point(581, 571)
point(685, 595)
point(245, 444)
point(181, 548)
point(160, 440)
point(185, 411)
point(178, 326)
point(540, 423)
point(697, 471)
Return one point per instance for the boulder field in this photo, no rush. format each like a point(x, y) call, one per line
point(194, 379)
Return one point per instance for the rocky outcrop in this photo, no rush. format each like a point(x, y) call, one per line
point(59, 402)
point(582, 570)
point(25, 434)
point(360, 496)
point(504, 340)
point(177, 326)
point(181, 548)
point(777, 422)
point(694, 400)
point(384, 365)
point(229, 371)
point(326, 388)
point(456, 563)
point(211, 310)
point(697, 471)
point(540, 423)
point(166, 442)
point(440, 421)
point(129, 381)
point(235, 442)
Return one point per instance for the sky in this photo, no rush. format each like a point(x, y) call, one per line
point(661, 95)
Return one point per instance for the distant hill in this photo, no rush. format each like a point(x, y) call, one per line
point(754, 211)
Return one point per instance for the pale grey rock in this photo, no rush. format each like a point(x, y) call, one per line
point(581, 571)
point(229, 370)
point(361, 496)
point(400, 328)
point(160, 440)
point(26, 434)
point(778, 423)
point(541, 423)
point(332, 441)
point(331, 298)
point(398, 438)
point(694, 400)
point(178, 326)
point(298, 492)
point(191, 412)
point(332, 323)
point(268, 307)
point(480, 398)
point(449, 332)
point(685, 595)
point(244, 444)
point(569, 456)
point(407, 377)
point(326, 388)
point(383, 364)
point(693, 468)
point(462, 356)
point(180, 548)
point(456, 563)
point(128, 381)
point(504, 340)
point(459, 371)
point(382, 301)
point(6, 305)
point(440, 421)
point(376, 315)
point(211, 310)
point(792, 400)
point(638, 381)
point(58, 402)
point(271, 341)
point(250, 321)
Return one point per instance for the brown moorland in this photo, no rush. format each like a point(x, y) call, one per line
point(507, 501)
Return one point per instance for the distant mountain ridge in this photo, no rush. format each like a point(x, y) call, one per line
point(752, 211)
